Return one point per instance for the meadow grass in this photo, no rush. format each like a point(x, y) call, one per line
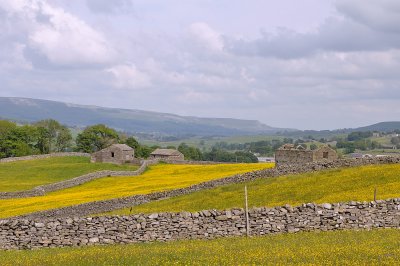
point(336, 185)
point(158, 178)
point(24, 175)
point(376, 247)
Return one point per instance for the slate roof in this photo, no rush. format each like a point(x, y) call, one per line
point(166, 152)
point(122, 147)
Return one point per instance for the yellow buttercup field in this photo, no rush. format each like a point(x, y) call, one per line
point(338, 185)
point(24, 175)
point(158, 178)
point(376, 247)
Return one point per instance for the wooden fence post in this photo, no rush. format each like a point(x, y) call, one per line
point(247, 211)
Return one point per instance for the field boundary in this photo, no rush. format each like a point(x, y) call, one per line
point(79, 180)
point(206, 224)
point(89, 208)
point(44, 156)
point(76, 181)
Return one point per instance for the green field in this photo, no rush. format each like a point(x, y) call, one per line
point(376, 247)
point(24, 175)
point(336, 185)
point(158, 178)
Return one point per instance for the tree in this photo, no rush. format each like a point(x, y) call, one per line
point(63, 141)
point(145, 151)
point(141, 151)
point(218, 155)
point(18, 141)
point(313, 146)
point(190, 153)
point(52, 136)
point(95, 138)
point(5, 127)
point(395, 140)
point(354, 136)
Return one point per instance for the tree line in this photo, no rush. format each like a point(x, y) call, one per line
point(216, 155)
point(263, 147)
point(39, 138)
point(48, 136)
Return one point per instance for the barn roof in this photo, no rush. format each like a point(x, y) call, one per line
point(166, 152)
point(122, 147)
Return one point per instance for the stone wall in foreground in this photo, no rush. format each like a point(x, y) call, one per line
point(61, 232)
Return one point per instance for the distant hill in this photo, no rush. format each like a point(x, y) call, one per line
point(382, 127)
point(133, 121)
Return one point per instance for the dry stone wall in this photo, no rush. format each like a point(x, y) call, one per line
point(89, 208)
point(42, 190)
point(207, 224)
point(43, 156)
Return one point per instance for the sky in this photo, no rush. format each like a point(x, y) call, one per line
point(306, 64)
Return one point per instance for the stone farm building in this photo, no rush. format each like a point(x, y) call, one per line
point(167, 154)
point(116, 153)
point(289, 154)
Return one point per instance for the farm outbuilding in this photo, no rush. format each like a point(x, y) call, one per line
point(167, 154)
point(116, 153)
point(289, 154)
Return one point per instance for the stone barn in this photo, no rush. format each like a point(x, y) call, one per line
point(289, 154)
point(324, 153)
point(167, 154)
point(116, 153)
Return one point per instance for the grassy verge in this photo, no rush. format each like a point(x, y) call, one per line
point(158, 178)
point(24, 175)
point(337, 185)
point(377, 247)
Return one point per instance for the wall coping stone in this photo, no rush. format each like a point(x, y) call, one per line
point(43, 156)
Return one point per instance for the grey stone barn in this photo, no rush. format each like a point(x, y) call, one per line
point(116, 153)
point(289, 154)
point(167, 154)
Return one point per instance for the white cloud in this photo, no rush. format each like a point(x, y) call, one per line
point(329, 74)
point(383, 15)
point(107, 6)
point(362, 25)
point(61, 37)
point(129, 77)
point(12, 58)
point(69, 40)
point(206, 36)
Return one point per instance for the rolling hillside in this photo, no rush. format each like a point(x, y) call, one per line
point(25, 175)
point(158, 178)
point(133, 121)
point(339, 247)
point(338, 185)
point(382, 127)
point(314, 248)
